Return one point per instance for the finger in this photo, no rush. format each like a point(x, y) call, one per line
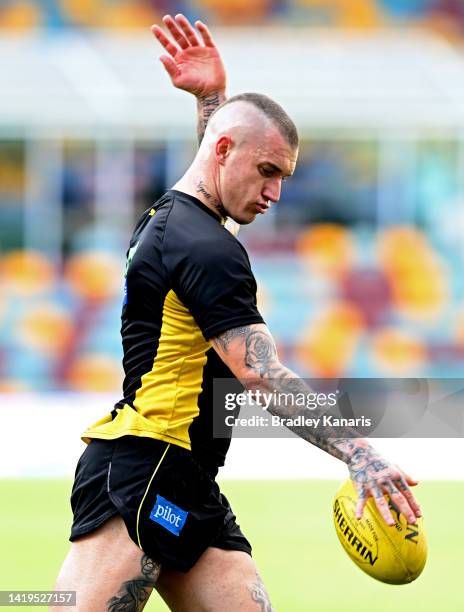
point(164, 40)
point(401, 503)
point(170, 65)
point(176, 32)
point(407, 493)
point(382, 505)
point(362, 499)
point(189, 32)
point(205, 34)
point(411, 481)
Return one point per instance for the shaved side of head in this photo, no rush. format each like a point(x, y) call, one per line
point(248, 116)
point(255, 112)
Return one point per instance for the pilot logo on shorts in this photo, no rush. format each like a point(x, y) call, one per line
point(168, 515)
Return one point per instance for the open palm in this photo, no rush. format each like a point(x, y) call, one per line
point(194, 63)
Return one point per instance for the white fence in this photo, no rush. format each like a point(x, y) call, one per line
point(41, 438)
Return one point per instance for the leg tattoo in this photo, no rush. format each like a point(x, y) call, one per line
point(259, 594)
point(134, 594)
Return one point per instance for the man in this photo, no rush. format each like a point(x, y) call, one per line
point(147, 510)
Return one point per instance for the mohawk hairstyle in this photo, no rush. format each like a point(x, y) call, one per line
point(272, 110)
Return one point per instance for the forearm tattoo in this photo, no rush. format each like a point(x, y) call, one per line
point(206, 106)
point(134, 594)
point(261, 358)
point(260, 596)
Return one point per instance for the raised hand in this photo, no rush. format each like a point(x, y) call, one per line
point(374, 477)
point(193, 63)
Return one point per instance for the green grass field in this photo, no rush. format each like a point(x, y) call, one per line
point(290, 526)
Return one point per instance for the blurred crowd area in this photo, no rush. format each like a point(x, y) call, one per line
point(446, 16)
point(359, 266)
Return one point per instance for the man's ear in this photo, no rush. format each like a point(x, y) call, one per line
point(223, 147)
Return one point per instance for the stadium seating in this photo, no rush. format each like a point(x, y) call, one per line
point(445, 16)
point(60, 329)
point(359, 267)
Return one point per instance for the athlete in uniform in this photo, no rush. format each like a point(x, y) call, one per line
point(148, 512)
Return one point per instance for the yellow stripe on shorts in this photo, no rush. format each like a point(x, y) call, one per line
point(145, 494)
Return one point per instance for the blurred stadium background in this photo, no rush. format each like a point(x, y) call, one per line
point(359, 266)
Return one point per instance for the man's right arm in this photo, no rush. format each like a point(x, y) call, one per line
point(251, 355)
point(194, 65)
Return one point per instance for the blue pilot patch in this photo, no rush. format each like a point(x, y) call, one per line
point(168, 515)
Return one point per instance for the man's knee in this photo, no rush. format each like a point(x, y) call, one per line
point(220, 580)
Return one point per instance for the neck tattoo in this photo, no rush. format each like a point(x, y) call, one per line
point(200, 188)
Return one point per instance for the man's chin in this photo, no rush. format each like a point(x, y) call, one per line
point(245, 219)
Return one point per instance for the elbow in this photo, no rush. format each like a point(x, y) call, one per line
point(254, 377)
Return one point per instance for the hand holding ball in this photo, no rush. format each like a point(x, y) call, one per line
point(395, 555)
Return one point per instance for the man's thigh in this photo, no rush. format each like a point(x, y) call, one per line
point(220, 581)
point(108, 571)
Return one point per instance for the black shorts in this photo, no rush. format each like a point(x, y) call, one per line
point(173, 508)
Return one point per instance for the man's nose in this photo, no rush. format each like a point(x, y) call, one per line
point(272, 189)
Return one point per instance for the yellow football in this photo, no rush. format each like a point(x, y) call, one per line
point(395, 554)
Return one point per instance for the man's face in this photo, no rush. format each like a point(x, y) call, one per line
point(250, 177)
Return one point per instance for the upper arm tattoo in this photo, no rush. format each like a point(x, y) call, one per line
point(223, 340)
point(260, 353)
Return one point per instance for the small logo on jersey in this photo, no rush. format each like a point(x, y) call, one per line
point(130, 255)
point(124, 300)
point(168, 515)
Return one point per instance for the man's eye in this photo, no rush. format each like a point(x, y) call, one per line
point(266, 172)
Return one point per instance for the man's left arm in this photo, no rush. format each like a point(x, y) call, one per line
point(194, 64)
